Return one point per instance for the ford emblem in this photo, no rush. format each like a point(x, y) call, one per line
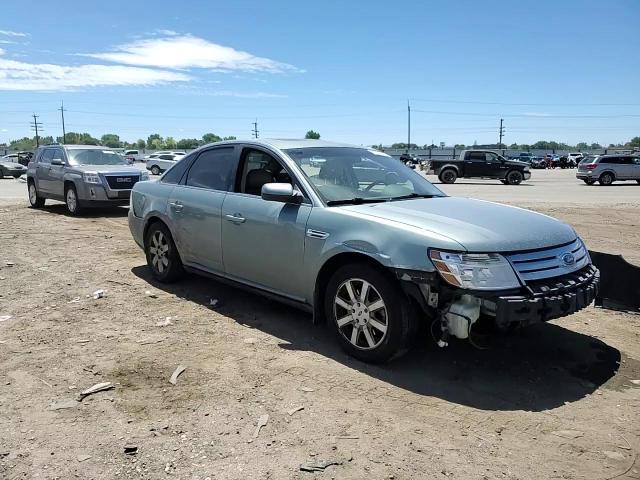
point(568, 259)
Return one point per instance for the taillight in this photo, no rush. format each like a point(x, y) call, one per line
point(591, 166)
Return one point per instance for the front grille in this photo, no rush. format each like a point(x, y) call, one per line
point(550, 262)
point(121, 182)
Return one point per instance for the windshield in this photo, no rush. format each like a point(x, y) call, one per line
point(344, 174)
point(95, 157)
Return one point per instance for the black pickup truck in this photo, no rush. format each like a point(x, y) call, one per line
point(480, 164)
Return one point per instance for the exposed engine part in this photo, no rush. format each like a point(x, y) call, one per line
point(430, 296)
point(460, 315)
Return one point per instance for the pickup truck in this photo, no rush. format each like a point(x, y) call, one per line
point(480, 164)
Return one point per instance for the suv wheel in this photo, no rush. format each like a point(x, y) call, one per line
point(155, 170)
point(367, 312)
point(35, 200)
point(72, 201)
point(606, 179)
point(589, 181)
point(448, 175)
point(162, 256)
point(514, 177)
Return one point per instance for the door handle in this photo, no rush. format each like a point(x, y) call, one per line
point(235, 218)
point(177, 206)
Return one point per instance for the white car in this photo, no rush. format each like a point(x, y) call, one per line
point(574, 158)
point(163, 162)
point(163, 152)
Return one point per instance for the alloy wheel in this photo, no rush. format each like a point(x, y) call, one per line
point(72, 201)
point(33, 195)
point(159, 249)
point(360, 313)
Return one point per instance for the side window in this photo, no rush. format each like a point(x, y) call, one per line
point(611, 160)
point(477, 156)
point(212, 169)
point(46, 156)
point(257, 169)
point(165, 157)
point(57, 154)
point(175, 173)
point(627, 160)
point(491, 157)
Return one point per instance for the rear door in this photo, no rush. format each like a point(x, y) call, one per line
point(195, 208)
point(43, 182)
point(56, 173)
point(635, 168)
point(474, 164)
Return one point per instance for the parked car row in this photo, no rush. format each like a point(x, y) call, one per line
point(293, 220)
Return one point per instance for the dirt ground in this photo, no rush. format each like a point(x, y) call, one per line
point(552, 401)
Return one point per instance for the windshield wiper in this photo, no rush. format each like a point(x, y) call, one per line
point(355, 201)
point(414, 195)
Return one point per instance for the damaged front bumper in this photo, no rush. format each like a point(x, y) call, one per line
point(537, 301)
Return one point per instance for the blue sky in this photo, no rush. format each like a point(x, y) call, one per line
point(556, 70)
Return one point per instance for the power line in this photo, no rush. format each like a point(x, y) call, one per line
point(527, 115)
point(474, 102)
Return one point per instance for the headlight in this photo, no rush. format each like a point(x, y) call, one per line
point(475, 271)
point(144, 176)
point(91, 177)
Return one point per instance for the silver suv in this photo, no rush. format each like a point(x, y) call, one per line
point(607, 169)
point(81, 176)
point(360, 240)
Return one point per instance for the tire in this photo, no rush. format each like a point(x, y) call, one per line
point(514, 177)
point(382, 333)
point(606, 179)
point(155, 170)
point(72, 201)
point(638, 182)
point(448, 175)
point(504, 181)
point(162, 255)
point(35, 200)
point(589, 181)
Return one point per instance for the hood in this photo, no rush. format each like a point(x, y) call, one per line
point(129, 169)
point(477, 225)
point(517, 163)
point(15, 165)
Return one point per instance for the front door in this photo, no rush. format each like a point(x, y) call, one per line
point(263, 241)
point(195, 208)
point(43, 167)
point(56, 174)
point(494, 167)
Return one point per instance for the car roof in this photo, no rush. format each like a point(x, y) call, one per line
point(73, 147)
point(286, 143)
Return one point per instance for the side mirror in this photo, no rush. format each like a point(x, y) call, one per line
point(280, 192)
point(57, 162)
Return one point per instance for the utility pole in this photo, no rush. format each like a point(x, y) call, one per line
point(64, 133)
point(255, 129)
point(34, 126)
point(501, 133)
point(408, 126)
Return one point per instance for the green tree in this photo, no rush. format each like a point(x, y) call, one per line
point(151, 138)
point(111, 140)
point(634, 142)
point(312, 135)
point(459, 145)
point(582, 146)
point(157, 144)
point(514, 146)
point(230, 137)
point(170, 143)
point(210, 138)
point(140, 144)
point(187, 143)
point(79, 139)
point(596, 146)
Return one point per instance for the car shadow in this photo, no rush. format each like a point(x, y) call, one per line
point(538, 368)
point(93, 212)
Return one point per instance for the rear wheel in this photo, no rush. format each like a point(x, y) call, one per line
point(35, 200)
point(368, 313)
point(72, 201)
point(155, 170)
point(514, 177)
point(162, 256)
point(448, 175)
point(606, 178)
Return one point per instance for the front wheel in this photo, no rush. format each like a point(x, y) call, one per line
point(72, 201)
point(514, 177)
point(35, 200)
point(448, 175)
point(162, 255)
point(155, 170)
point(368, 313)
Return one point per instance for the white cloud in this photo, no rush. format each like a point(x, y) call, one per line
point(9, 33)
point(168, 33)
point(1, 51)
point(186, 51)
point(15, 75)
point(233, 93)
point(537, 114)
point(7, 42)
